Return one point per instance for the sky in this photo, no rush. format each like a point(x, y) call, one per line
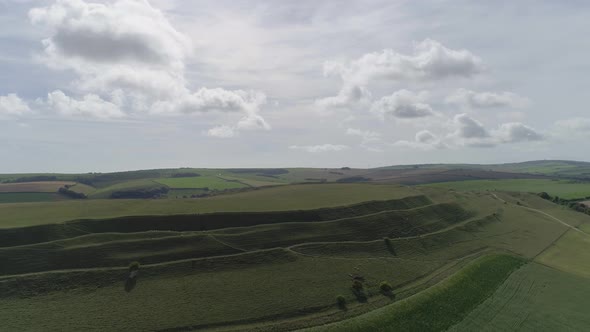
point(133, 84)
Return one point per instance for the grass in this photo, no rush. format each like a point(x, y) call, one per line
point(128, 185)
point(563, 188)
point(20, 197)
point(149, 250)
point(274, 270)
point(571, 253)
point(438, 307)
point(29, 187)
point(211, 182)
point(272, 285)
point(533, 298)
point(292, 197)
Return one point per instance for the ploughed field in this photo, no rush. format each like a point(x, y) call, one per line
point(244, 263)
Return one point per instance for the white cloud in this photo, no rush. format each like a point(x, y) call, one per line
point(319, 148)
point(348, 96)
point(430, 61)
point(369, 139)
point(90, 106)
point(366, 135)
point(424, 140)
point(221, 132)
point(130, 47)
point(514, 132)
point(12, 104)
point(471, 99)
point(111, 33)
point(403, 104)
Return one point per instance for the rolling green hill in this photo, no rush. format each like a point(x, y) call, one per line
point(284, 264)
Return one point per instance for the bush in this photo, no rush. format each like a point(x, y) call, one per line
point(70, 193)
point(134, 266)
point(385, 287)
point(357, 285)
point(341, 301)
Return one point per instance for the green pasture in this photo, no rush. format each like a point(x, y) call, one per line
point(211, 182)
point(563, 188)
point(533, 298)
point(439, 307)
point(292, 197)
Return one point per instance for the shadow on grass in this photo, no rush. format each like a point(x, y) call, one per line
point(130, 284)
point(360, 295)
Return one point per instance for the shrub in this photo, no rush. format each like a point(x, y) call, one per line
point(134, 266)
point(385, 287)
point(341, 301)
point(357, 285)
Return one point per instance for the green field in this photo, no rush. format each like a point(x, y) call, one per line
point(211, 182)
point(571, 253)
point(267, 199)
point(439, 307)
point(29, 197)
point(563, 188)
point(280, 263)
point(106, 192)
point(534, 298)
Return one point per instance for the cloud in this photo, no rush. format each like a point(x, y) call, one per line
point(403, 104)
point(430, 61)
point(12, 104)
point(574, 124)
point(366, 135)
point(217, 99)
point(90, 105)
point(111, 33)
point(369, 139)
point(471, 99)
point(221, 132)
point(514, 132)
point(129, 48)
point(467, 127)
point(423, 140)
point(348, 96)
point(470, 132)
point(319, 148)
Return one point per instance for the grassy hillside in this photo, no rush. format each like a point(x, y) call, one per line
point(277, 258)
point(563, 188)
point(268, 199)
point(211, 182)
point(438, 307)
point(30, 197)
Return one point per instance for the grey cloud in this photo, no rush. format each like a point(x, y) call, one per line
point(472, 99)
point(112, 32)
point(403, 104)
point(347, 96)
point(319, 148)
point(468, 127)
point(514, 132)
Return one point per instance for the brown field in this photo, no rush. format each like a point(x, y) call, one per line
point(33, 187)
